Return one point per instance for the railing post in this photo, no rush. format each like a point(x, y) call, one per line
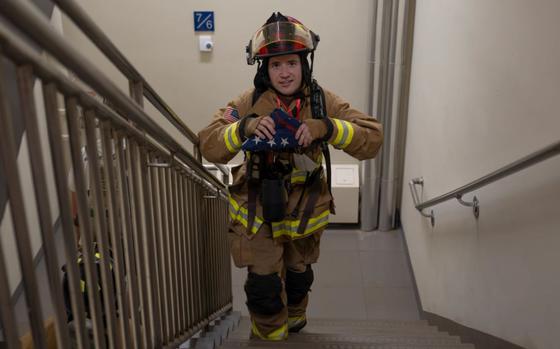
point(137, 92)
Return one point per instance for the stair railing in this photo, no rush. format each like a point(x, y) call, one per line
point(514, 167)
point(151, 267)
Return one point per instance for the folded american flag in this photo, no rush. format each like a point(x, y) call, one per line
point(284, 138)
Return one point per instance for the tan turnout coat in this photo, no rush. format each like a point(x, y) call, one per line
point(355, 133)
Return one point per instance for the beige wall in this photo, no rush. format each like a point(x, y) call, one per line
point(159, 39)
point(485, 92)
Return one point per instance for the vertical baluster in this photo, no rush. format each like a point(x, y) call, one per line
point(181, 252)
point(227, 256)
point(165, 255)
point(175, 248)
point(84, 220)
point(159, 256)
point(199, 248)
point(100, 223)
point(123, 176)
point(70, 243)
point(138, 237)
point(115, 229)
point(188, 245)
point(193, 241)
point(150, 248)
point(212, 246)
point(27, 103)
point(170, 249)
point(188, 273)
point(221, 251)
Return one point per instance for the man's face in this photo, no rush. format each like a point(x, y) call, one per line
point(285, 73)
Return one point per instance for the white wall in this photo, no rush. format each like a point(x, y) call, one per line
point(159, 39)
point(485, 91)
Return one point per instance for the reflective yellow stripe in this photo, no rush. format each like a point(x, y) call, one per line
point(339, 133)
point(234, 135)
point(230, 138)
point(344, 134)
point(290, 227)
point(240, 214)
point(298, 176)
point(276, 335)
point(286, 227)
point(83, 285)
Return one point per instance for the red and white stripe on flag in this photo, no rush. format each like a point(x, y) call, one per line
point(231, 115)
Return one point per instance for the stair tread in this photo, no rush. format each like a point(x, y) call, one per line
point(312, 329)
point(352, 334)
point(269, 345)
point(362, 339)
point(244, 333)
point(360, 324)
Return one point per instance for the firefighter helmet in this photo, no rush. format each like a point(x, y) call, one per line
point(280, 35)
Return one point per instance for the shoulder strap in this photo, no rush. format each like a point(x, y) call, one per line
point(319, 111)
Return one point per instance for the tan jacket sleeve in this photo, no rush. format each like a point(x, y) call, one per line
point(221, 140)
point(356, 133)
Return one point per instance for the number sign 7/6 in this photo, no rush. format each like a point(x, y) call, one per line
point(203, 21)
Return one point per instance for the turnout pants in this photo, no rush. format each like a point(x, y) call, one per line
point(278, 281)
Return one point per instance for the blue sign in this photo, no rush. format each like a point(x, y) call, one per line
point(203, 21)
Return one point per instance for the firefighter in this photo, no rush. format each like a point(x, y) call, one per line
point(280, 198)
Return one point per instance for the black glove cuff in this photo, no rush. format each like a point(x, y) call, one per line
point(329, 125)
point(242, 123)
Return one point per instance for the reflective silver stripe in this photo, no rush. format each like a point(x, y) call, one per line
point(344, 133)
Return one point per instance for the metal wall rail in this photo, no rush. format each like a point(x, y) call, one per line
point(514, 167)
point(151, 266)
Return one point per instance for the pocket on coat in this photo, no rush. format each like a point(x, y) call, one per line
point(240, 249)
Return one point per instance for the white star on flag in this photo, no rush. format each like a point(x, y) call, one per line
point(285, 142)
point(257, 140)
point(271, 143)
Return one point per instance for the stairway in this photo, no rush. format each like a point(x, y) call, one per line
point(350, 334)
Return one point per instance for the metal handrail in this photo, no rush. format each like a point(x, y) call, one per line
point(165, 215)
point(105, 45)
point(516, 166)
point(32, 22)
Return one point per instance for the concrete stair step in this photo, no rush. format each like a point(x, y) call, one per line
point(428, 331)
point(289, 345)
point(351, 334)
point(363, 339)
point(242, 334)
point(355, 327)
point(365, 323)
point(319, 324)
